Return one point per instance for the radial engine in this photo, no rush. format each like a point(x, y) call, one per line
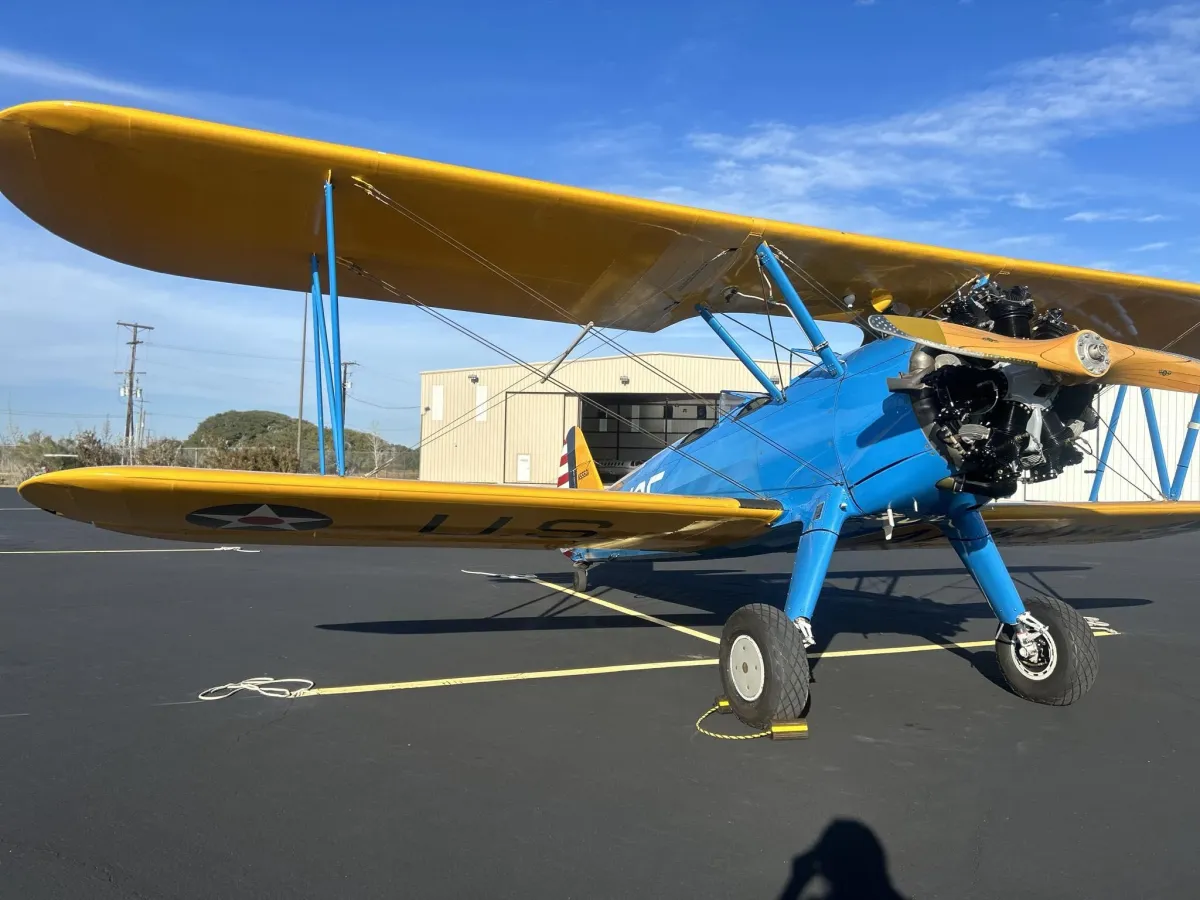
point(999, 423)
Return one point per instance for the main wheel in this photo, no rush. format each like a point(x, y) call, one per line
point(764, 666)
point(1056, 668)
point(580, 580)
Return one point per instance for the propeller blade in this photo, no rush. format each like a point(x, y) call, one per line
point(1081, 354)
point(1140, 367)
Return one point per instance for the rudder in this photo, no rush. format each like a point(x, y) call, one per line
point(576, 468)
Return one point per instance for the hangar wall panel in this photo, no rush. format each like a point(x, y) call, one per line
point(533, 437)
point(1131, 474)
point(468, 442)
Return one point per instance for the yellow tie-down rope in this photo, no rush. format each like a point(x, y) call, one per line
point(776, 731)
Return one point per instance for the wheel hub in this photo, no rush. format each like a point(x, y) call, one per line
point(1034, 653)
point(747, 673)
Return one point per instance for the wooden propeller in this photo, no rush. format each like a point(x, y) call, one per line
point(1081, 355)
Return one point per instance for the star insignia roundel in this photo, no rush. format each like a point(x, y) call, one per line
point(259, 517)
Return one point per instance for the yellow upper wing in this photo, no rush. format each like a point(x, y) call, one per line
point(230, 204)
point(219, 506)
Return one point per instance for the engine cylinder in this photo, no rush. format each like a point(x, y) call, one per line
point(1012, 316)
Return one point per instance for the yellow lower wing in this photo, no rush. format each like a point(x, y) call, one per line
point(218, 506)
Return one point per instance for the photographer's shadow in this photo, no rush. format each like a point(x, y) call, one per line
point(846, 863)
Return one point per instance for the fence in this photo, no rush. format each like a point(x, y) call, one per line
point(20, 461)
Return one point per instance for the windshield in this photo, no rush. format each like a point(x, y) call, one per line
point(731, 400)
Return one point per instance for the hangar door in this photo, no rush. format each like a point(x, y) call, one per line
point(661, 419)
point(534, 428)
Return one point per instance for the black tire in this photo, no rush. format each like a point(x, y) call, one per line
point(581, 579)
point(783, 685)
point(1076, 657)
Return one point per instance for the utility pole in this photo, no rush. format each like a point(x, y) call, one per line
point(134, 327)
point(345, 387)
point(141, 425)
point(303, 350)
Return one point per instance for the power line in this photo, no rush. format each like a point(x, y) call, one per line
point(216, 352)
point(54, 415)
point(209, 368)
point(63, 415)
point(378, 405)
point(378, 374)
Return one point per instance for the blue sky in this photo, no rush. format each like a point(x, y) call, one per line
point(1047, 130)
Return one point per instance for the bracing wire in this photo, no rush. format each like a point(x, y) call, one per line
point(1181, 336)
point(1130, 454)
point(500, 272)
point(767, 298)
point(497, 399)
point(1092, 453)
point(755, 331)
point(491, 345)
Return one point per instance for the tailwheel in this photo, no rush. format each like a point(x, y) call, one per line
point(581, 578)
point(764, 666)
point(1050, 655)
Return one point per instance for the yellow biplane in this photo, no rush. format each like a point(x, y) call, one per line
point(987, 377)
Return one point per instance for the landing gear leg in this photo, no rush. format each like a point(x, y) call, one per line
point(764, 650)
point(1045, 648)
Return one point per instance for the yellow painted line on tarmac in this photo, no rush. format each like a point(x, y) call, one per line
point(168, 550)
point(919, 648)
point(610, 670)
point(508, 676)
point(682, 629)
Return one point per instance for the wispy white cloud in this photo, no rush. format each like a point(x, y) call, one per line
point(21, 70)
point(955, 147)
point(1023, 240)
point(968, 170)
point(961, 171)
point(37, 70)
point(1025, 200)
point(602, 142)
point(1114, 216)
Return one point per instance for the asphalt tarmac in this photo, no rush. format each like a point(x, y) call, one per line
point(923, 776)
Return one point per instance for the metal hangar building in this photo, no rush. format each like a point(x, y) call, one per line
point(505, 425)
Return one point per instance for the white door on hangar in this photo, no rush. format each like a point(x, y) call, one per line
point(533, 436)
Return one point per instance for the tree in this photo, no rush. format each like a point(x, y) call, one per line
point(162, 452)
point(255, 440)
point(92, 449)
point(381, 451)
point(254, 459)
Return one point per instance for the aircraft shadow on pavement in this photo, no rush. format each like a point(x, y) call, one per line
point(847, 861)
point(852, 602)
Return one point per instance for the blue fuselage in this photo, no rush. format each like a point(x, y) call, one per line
point(850, 431)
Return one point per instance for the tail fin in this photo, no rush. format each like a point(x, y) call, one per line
point(577, 469)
